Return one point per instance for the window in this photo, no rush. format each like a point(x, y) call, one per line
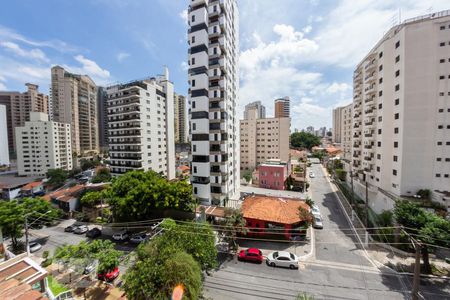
point(194, 148)
point(379, 131)
point(442, 27)
point(440, 126)
point(380, 93)
point(442, 60)
point(380, 81)
point(193, 18)
point(193, 39)
point(396, 116)
point(380, 68)
point(397, 87)
point(438, 159)
point(439, 143)
point(394, 172)
point(378, 169)
point(378, 156)
point(441, 94)
point(397, 73)
point(380, 55)
point(395, 144)
point(446, 175)
point(380, 106)
point(195, 169)
point(441, 110)
point(379, 144)
point(194, 126)
point(193, 104)
point(380, 118)
point(438, 175)
point(397, 101)
point(441, 77)
point(195, 190)
point(397, 44)
point(193, 61)
point(397, 59)
point(193, 82)
point(395, 158)
point(396, 130)
point(442, 44)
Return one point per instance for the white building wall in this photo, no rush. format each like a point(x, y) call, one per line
point(4, 150)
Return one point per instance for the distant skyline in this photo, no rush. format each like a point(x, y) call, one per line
point(306, 50)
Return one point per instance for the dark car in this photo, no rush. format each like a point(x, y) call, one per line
point(93, 233)
point(252, 255)
point(70, 228)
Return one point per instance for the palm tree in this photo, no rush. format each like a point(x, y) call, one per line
point(235, 224)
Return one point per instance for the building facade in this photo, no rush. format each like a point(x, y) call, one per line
point(74, 101)
point(141, 127)
point(282, 107)
point(263, 139)
point(4, 150)
point(401, 113)
point(346, 131)
point(18, 107)
point(261, 109)
point(43, 145)
point(102, 118)
point(213, 38)
point(273, 175)
point(181, 134)
point(337, 122)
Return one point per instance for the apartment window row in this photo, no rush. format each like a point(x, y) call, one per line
point(442, 27)
point(442, 60)
point(441, 77)
point(438, 175)
point(442, 126)
point(443, 94)
point(442, 44)
point(447, 159)
point(441, 143)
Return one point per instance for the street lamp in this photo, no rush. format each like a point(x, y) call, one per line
point(27, 244)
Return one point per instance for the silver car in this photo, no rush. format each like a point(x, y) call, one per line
point(317, 222)
point(81, 229)
point(315, 211)
point(34, 246)
point(282, 259)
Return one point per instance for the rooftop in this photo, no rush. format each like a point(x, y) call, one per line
point(273, 209)
point(12, 181)
point(66, 194)
point(31, 185)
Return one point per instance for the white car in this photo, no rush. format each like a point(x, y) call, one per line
point(317, 222)
point(138, 238)
point(120, 236)
point(315, 211)
point(34, 246)
point(81, 229)
point(311, 175)
point(282, 259)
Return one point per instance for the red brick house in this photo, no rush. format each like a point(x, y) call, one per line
point(272, 175)
point(266, 215)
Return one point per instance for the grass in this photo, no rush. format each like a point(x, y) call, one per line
point(56, 287)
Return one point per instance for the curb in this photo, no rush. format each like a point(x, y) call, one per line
point(313, 246)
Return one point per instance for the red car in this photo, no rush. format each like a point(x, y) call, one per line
point(251, 254)
point(110, 276)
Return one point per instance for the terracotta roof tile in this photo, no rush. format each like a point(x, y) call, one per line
point(273, 209)
point(31, 185)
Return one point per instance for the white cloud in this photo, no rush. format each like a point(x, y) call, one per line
point(184, 16)
point(307, 29)
point(2, 86)
point(184, 66)
point(121, 56)
point(90, 67)
point(338, 88)
point(31, 54)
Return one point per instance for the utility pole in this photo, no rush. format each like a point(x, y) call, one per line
point(367, 206)
point(27, 244)
point(416, 279)
point(351, 177)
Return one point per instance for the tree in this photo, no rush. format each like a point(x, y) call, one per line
point(427, 227)
point(86, 164)
point(156, 274)
point(92, 198)
point(84, 253)
point(304, 140)
point(235, 224)
point(135, 195)
point(12, 216)
point(309, 202)
point(103, 175)
point(247, 175)
point(305, 215)
point(57, 177)
point(289, 183)
point(319, 154)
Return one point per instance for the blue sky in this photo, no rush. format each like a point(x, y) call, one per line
point(303, 49)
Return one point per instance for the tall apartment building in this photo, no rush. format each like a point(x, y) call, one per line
point(214, 82)
point(263, 140)
point(43, 145)
point(346, 131)
point(18, 107)
point(74, 101)
point(401, 112)
point(4, 150)
point(102, 118)
point(282, 107)
point(141, 127)
point(337, 122)
point(261, 109)
point(181, 133)
point(310, 129)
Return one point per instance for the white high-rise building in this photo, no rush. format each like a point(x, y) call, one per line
point(260, 109)
point(43, 145)
point(4, 150)
point(213, 95)
point(401, 113)
point(141, 126)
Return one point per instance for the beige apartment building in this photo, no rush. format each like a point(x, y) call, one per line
point(342, 129)
point(263, 139)
point(43, 145)
point(18, 107)
point(74, 101)
point(401, 113)
point(180, 115)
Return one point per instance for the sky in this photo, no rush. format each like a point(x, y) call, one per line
point(304, 49)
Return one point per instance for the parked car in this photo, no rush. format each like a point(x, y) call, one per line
point(34, 246)
point(81, 229)
point(138, 238)
point(311, 175)
point(109, 276)
point(315, 211)
point(89, 268)
point(317, 222)
point(282, 259)
point(251, 254)
point(120, 236)
point(70, 228)
point(93, 233)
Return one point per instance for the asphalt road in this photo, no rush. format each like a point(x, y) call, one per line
point(339, 269)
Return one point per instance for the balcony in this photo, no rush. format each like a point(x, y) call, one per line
point(356, 144)
point(368, 158)
point(200, 180)
point(368, 146)
point(368, 135)
point(370, 66)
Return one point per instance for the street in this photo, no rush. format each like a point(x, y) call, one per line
point(338, 270)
